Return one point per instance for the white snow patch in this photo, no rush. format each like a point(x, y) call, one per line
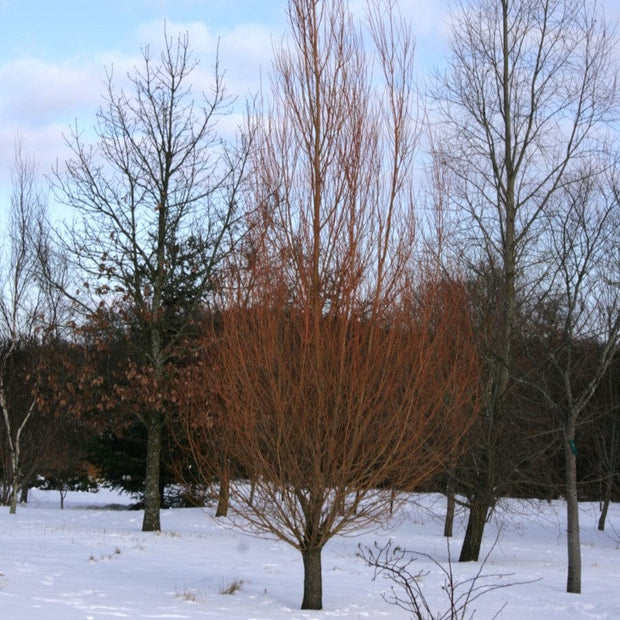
point(92, 562)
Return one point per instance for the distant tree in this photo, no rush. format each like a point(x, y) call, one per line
point(65, 466)
point(344, 369)
point(98, 382)
point(19, 409)
point(118, 453)
point(28, 313)
point(523, 438)
point(157, 194)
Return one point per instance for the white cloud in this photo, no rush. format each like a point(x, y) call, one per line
point(428, 18)
point(35, 91)
point(41, 99)
point(244, 51)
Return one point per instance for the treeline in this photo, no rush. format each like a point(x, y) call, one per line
point(70, 438)
point(351, 300)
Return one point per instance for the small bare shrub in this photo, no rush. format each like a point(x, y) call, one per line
point(232, 587)
point(406, 592)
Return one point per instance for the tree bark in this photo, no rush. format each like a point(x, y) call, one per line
point(15, 478)
point(313, 579)
point(224, 492)
point(604, 509)
point(63, 493)
point(610, 477)
point(152, 494)
point(573, 582)
point(449, 522)
point(472, 542)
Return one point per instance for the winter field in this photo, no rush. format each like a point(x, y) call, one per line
point(91, 561)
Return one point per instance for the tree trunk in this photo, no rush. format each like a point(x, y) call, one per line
point(224, 492)
point(13, 505)
point(152, 494)
point(313, 579)
point(472, 542)
point(611, 475)
point(573, 582)
point(14, 447)
point(23, 498)
point(604, 510)
point(393, 493)
point(15, 479)
point(449, 522)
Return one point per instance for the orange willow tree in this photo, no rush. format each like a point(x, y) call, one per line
point(340, 370)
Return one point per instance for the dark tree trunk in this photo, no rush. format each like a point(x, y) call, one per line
point(152, 494)
point(63, 494)
point(478, 511)
point(610, 477)
point(224, 493)
point(604, 510)
point(449, 522)
point(252, 492)
point(313, 579)
point(23, 498)
point(573, 581)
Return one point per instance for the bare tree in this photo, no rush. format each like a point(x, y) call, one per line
point(26, 313)
point(344, 370)
point(329, 424)
point(157, 196)
point(529, 88)
point(580, 346)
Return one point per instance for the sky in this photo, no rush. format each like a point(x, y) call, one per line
point(54, 56)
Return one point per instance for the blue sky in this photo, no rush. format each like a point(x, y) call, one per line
point(77, 29)
point(54, 53)
point(53, 46)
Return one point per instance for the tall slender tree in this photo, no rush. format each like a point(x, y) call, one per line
point(583, 235)
point(27, 313)
point(528, 91)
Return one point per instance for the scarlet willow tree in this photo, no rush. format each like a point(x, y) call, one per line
point(341, 371)
point(156, 193)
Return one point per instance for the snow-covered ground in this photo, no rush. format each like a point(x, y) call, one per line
point(91, 561)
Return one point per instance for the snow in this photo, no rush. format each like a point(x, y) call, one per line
point(91, 561)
